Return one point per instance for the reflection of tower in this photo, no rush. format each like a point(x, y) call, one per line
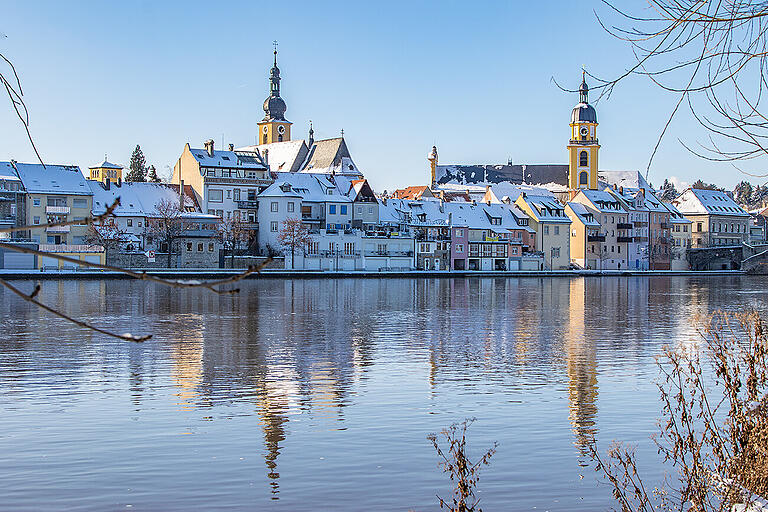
point(273, 406)
point(581, 367)
point(187, 371)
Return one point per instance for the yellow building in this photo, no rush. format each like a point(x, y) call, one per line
point(106, 171)
point(583, 146)
point(274, 127)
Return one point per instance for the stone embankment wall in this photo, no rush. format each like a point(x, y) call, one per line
point(137, 260)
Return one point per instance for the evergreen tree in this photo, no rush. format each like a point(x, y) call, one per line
point(668, 191)
point(138, 166)
point(152, 175)
point(743, 193)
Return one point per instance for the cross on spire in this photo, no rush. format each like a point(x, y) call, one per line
point(342, 133)
point(274, 44)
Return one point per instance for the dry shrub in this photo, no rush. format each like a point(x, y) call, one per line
point(455, 461)
point(714, 430)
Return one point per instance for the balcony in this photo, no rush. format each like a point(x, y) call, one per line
point(595, 238)
point(624, 239)
point(374, 254)
point(247, 205)
point(58, 229)
point(666, 225)
point(623, 225)
point(57, 210)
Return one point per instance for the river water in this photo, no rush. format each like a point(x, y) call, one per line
point(319, 394)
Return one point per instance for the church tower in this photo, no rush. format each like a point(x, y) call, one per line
point(583, 146)
point(274, 127)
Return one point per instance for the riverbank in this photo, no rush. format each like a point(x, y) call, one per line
point(314, 274)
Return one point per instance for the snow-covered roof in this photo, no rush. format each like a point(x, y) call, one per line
point(229, 159)
point(7, 172)
point(694, 201)
point(53, 179)
point(136, 199)
point(545, 208)
point(584, 214)
point(285, 156)
point(310, 187)
point(601, 200)
point(106, 165)
point(626, 179)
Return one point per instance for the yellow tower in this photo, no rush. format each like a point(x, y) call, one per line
point(433, 165)
point(583, 147)
point(274, 127)
point(106, 171)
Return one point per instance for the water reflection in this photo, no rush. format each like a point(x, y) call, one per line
point(317, 376)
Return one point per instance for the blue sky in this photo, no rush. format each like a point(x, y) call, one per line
point(474, 78)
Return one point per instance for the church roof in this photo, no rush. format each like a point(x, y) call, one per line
point(534, 174)
point(282, 156)
point(106, 165)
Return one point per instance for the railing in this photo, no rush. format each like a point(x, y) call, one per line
point(57, 210)
point(70, 248)
point(329, 254)
point(247, 205)
point(623, 239)
point(388, 253)
point(595, 238)
point(623, 225)
point(58, 229)
point(243, 181)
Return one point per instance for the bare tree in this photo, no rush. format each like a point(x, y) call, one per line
point(294, 235)
point(232, 235)
point(108, 235)
point(167, 225)
point(712, 56)
point(12, 85)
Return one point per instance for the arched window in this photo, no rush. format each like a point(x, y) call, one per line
point(583, 159)
point(264, 139)
point(279, 138)
point(583, 178)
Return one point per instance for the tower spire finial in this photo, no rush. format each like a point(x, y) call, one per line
point(274, 43)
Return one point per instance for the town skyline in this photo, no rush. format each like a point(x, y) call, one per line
point(492, 127)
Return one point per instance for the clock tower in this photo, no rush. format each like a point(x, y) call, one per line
point(274, 127)
point(583, 146)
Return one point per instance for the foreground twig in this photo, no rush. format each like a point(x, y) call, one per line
point(31, 299)
point(88, 221)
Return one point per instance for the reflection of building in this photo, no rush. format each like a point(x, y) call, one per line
point(581, 367)
point(187, 369)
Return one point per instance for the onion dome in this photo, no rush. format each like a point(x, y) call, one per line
point(274, 106)
point(583, 112)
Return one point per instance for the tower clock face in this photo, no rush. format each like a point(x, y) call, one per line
point(584, 131)
point(265, 129)
point(281, 129)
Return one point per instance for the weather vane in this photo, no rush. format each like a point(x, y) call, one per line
point(274, 43)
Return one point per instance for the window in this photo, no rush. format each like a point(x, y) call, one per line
point(583, 178)
point(459, 247)
point(546, 230)
point(251, 194)
point(291, 207)
point(36, 220)
point(211, 212)
point(130, 223)
point(215, 196)
point(349, 248)
point(359, 210)
point(343, 209)
point(557, 230)
point(698, 228)
point(583, 159)
point(229, 194)
point(236, 194)
point(370, 209)
point(459, 232)
point(210, 172)
point(36, 201)
point(332, 209)
point(79, 203)
point(220, 214)
point(273, 206)
point(189, 246)
point(313, 247)
point(200, 247)
point(273, 226)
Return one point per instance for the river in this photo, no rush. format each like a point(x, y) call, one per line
point(318, 394)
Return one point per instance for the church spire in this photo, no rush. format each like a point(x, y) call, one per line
point(274, 127)
point(583, 88)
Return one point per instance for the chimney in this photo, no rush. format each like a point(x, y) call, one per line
point(231, 147)
point(181, 192)
point(119, 181)
point(209, 147)
point(106, 183)
point(621, 190)
point(614, 186)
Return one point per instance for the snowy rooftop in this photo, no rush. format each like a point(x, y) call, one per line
point(713, 202)
point(584, 214)
point(136, 199)
point(603, 201)
point(546, 208)
point(285, 156)
point(53, 179)
point(7, 172)
point(310, 187)
point(230, 159)
point(106, 165)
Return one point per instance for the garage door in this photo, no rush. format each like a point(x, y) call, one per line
point(92, 258)
point(16, 260)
